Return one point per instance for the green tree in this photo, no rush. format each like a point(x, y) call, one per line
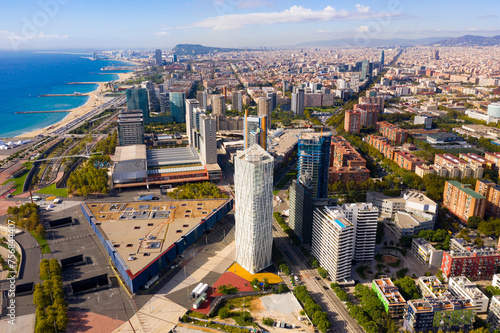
point(407, 287)
point(474, 221)
point(322, 272)
point(268, 321)
point(479, 241)
point(40, 231)
point(224, 313)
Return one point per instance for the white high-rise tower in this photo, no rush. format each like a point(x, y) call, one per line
point(253, 180)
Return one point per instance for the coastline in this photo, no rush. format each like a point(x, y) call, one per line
point(96, 98)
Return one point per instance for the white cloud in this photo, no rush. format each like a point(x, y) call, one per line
point(363, 28)
point(161, 33)
point(362, 8)
point(321, 31)
point(294, 14)
point(14, 36)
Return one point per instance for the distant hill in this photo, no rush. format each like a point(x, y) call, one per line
point(371, 42)
point(469, 40)
point(195, 49)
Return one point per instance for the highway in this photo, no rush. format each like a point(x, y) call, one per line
point(318, 288)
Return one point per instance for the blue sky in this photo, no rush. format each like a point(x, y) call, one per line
point(108, 24)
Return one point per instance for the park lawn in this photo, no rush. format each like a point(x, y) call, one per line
point(19, 181)
point(52, 190)
point(275, 192)
point(42, 242)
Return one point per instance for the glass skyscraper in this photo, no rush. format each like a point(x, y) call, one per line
point(253, 180)
point(137, 99)
point(314, 159)
point(177, 106)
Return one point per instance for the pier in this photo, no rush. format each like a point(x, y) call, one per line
point(120, 68)
point(63, 95)
point(57, 111)
point(86, 82)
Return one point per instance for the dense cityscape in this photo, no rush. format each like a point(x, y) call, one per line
point(271, 190)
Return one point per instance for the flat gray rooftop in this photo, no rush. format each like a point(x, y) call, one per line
point(172, 156)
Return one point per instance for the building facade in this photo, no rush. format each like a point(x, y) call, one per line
point(388, 294)
point(301, 210)
point(130, 128)
point(253, 180)
point(313, 161)
point(332, 242)
point(462, 201)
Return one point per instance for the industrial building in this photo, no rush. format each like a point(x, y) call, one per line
point(143, 239)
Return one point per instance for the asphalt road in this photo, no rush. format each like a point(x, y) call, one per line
point(318, 288)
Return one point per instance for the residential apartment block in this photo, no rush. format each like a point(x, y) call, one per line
point(462, 201)
point(392, 132)
point(388, 293)
point(461, 286)
point(491, 192)
point(332, 242)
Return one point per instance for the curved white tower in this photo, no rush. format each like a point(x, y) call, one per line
point(253, 180)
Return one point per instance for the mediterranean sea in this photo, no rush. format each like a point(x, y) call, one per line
point(24, 76)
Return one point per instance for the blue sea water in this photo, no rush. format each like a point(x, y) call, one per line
point(26, 75)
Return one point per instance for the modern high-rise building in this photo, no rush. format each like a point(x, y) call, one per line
point(332, 242)
point(313, 161)
point(237, 101)
point(130, 128)
point(218, 105)
point(301, 209)
point(285, 86)
point(165, 103)
point(274, 99)
point(158, 58)
point(364, 217)
point(264, 109)
point(208, 139)
point(191, 104)
point(177, 106)
point(366, 70)
point(153, 101)
point(255, 131)
point(298, 102)
point(201, 96)
point(253, 180)
point(137, 99)
point(382, 58)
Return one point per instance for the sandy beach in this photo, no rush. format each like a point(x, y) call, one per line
point(96, 98)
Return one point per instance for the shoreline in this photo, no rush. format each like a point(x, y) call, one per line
point(96, 98)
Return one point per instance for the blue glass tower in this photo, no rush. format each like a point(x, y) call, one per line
point(314, 159)
point(137, 99)
point(177, 106)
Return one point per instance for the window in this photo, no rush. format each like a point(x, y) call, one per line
point(116, 245)
point(130, 245)
point(178, 231)
point(150, 224)
point(185, 225)
point(137, 227)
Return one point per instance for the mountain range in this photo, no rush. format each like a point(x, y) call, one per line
point(468, 40)
point(195, 49)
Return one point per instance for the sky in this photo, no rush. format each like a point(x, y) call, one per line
point(151, 24)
